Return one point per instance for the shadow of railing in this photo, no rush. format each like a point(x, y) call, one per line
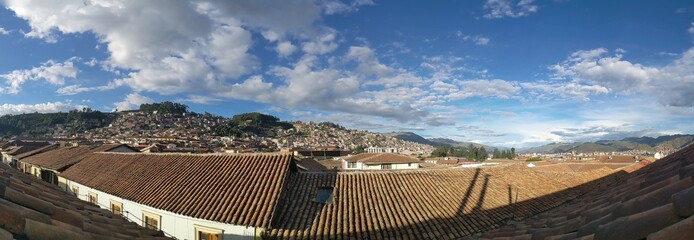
point(342, 219)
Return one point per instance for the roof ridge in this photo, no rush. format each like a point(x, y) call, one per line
point(199, 154)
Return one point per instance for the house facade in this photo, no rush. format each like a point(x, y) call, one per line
point(170, 223)
point(379, 161)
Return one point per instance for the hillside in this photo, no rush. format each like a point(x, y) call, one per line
point(54, 124)
point(410, 136)
point(413, 137)
point(649, 144)
point(166, 121)
point(454, 143)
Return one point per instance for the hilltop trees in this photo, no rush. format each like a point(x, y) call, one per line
point(510, 154)
point(256, 123)
point(471, 152)
point(164, 107)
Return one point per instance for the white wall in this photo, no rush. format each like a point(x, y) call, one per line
point(394, 166)
point(176, 225)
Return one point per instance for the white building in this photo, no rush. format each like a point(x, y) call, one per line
point(381, 150)
point(379, 161)
point(186, 196)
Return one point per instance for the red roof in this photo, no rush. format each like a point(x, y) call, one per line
point(239, 189)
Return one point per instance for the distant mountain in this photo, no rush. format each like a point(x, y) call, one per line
point(413, 137)
point(662, 143)
point(551, 148)
point(410, 137)
point(454, 143)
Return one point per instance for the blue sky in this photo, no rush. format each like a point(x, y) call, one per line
point(501, 72)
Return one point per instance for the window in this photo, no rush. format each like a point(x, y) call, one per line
point(351, 164)
point(386, 166)
point(116, 208)
point(205, 233)
point(93, 198)
point(75, 191)
point(151, 220)
point(409, 164)
point(324, 195)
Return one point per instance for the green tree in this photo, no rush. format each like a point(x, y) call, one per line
point(440, 151)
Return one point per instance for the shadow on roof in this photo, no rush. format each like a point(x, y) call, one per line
point(491, 203)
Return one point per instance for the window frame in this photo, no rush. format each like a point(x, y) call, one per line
point(75, 191)
point(146, 214)
point(351, 164)
point(96, 198)
point(116, 203)
point(383, 166)
point(198, 228)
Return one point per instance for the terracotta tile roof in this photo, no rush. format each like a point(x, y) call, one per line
point(36, 151)
point(33, 209)
point(240, 189)
point(59, 158)
point(618, 159)
point(654, 202)
point(419, 204)
point(580, 167)
point(381, 158)
point(310, 165)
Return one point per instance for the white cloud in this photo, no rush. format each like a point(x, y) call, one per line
point(3, 31)
point(367, 62)
point(509, 8)
point(201, 99)
point(333, 7)
point(476, 39)
point(485, 88)
point(285, 48)
point(77, 88)
point(691, 29)
point(572, 90)
point(51, 71)
point(191, 47)
point(48, 107)
point(322, 45)
point(131, 101)
point(672, 84)
point(612, 72)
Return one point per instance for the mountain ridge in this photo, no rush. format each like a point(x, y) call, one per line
point(648, 144)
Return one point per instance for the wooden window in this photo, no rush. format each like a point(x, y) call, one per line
point(206, 233)
point(75, 191)
point(93, 198)
point(386, 166)
point(116, 208)
point(351, 165)
point(151, 220)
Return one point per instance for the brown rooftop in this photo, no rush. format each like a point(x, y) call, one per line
point(381, 158)
point(239, 189)
point(32, 209)
point(419, 204)
point(58, 158)
point(653, 202)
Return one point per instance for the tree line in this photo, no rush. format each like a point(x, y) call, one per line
point(472, 152)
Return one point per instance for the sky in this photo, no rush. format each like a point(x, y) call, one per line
point(501, 72)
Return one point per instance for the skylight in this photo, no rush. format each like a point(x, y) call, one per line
point(324, 195)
